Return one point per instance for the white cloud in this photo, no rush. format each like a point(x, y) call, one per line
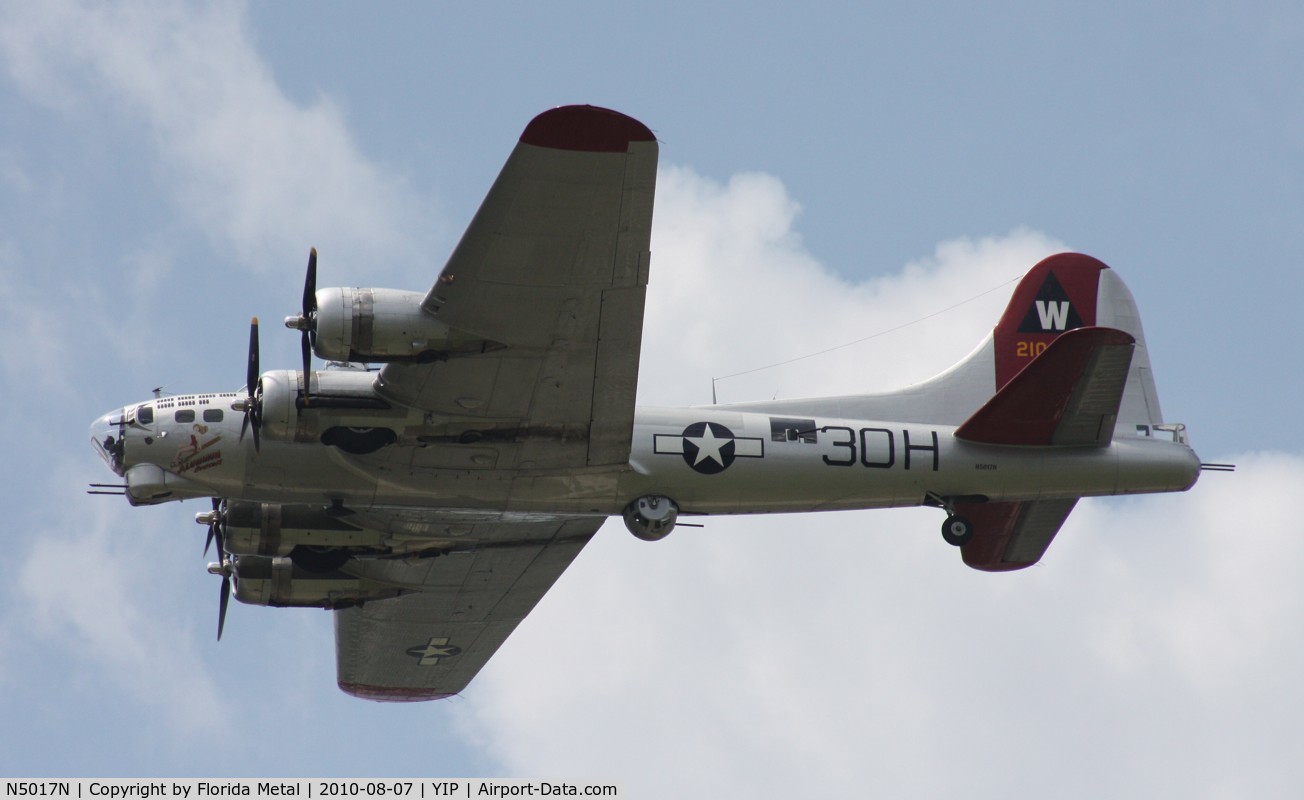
point(252, 169)
point(1213, 576)
point(812, 655)
point(732, 289)
point(93, 587)
point(89, 589)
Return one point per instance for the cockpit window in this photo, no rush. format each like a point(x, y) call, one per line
point(184, 415)
point(212, 415)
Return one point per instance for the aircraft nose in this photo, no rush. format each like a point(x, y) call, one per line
point(107, 437)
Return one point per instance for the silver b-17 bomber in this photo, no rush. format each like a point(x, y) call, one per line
point(431, 503)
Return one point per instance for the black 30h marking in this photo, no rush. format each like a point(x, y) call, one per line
point(877, 448)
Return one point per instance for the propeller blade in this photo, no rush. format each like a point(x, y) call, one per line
point(310, 286)
point(306, 346)
point(213, 530)
point(222, 604)
point(252, 407)
point(252, 373)
point(309, 319)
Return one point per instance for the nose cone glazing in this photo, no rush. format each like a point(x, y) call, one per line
point(108, 435)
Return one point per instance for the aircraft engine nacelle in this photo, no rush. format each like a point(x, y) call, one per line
point(651, 517)
point(272, 529)
point(279, 392)
point(278, 581)
point(343, 410)
point(377, 325)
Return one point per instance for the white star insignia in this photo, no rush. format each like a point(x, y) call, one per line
point(708, 446)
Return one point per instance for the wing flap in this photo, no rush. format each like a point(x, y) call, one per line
point(619, 334)
point(1010, 536)
point(1069, 395)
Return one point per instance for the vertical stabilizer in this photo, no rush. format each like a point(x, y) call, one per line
point(1062, 293)
point(1058, 295)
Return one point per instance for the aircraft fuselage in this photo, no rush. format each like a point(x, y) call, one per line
point(710, 460)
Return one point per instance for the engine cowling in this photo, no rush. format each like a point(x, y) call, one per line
point(279, 392)
point(279, 581)
point(344, 410)
point(651, 517)
point(377, 325)
point(272, 529)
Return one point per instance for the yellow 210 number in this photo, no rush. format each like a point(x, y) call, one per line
point(1030, 349)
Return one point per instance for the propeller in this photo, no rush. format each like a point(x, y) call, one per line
point(252, 405)
point(306, 321)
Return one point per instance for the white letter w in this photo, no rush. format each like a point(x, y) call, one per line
point(1053, 315)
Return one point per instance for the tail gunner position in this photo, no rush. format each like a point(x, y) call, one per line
point(433, 502)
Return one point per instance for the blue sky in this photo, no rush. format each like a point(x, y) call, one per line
point(827, 173)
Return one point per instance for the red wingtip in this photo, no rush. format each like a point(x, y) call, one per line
point(392, 694)
point(585, 128)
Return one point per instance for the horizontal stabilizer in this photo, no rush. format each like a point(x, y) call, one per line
point(1009, 536)
point(1068, 395)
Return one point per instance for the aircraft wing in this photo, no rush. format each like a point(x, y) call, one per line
point(1011, 536)
point(459, 607)
point(550, 280)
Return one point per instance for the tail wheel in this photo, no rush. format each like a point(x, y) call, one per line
point(957, 531)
